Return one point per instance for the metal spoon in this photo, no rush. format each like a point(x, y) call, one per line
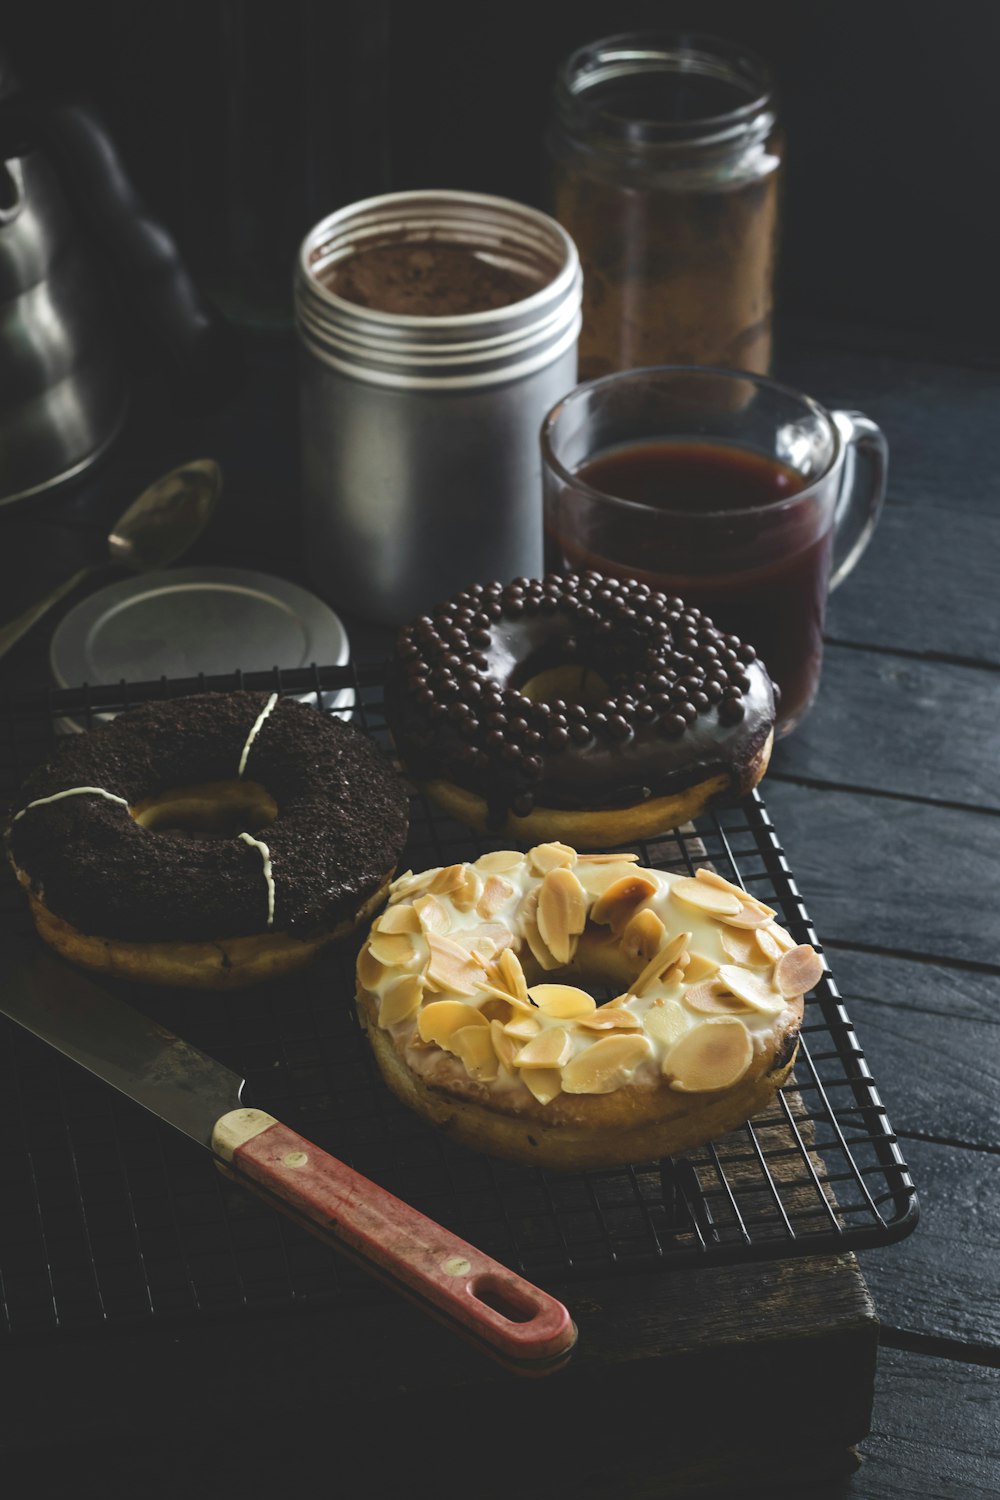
point(153, 532)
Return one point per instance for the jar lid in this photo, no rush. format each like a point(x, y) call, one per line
point(182, 622)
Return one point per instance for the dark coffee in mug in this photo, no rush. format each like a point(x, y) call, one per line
point(776, 605)
point(739, 495)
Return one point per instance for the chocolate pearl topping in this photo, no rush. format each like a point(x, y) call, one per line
point(659, 671)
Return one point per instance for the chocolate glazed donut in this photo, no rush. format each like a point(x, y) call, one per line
point(579, 707)
point(109, 838)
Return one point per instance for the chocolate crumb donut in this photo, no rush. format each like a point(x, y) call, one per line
point(580, 707)
point(210, 841)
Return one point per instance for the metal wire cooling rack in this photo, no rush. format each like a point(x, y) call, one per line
point(112, 1219)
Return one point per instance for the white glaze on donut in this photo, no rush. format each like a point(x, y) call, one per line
point(72, 791)
point(701, 993)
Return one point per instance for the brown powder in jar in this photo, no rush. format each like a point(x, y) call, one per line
point(672, 276)
point(427, 278)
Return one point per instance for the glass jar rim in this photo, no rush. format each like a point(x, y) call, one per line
point(631, 54)
point(770, 507)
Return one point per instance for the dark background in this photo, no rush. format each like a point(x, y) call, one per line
point(243, 121)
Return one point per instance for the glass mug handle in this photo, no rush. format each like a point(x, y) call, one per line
point(862, 489)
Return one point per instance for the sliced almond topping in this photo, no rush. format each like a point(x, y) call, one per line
point(755, 989)
point(539, 951)
point(704, 897)
point(699, 967)
point(523, 1028)
point(564, 1001)
point(433, 914)
point(605, 1066)
point(467, 892)
point(713, 998)
point(408, 884)
point(598, 876)
point(781, 937)
point(439, 1021)
point(504, 1046)
point(496, 893)
point(370, 971)
point(798, 970)
point(665, 1021)
point(510, 969)
point(662, 961)
point(713, 1055)
point(549, 1049)
point(555, 856)
point(741, 946)
point(767, 944)
point(487, 939)
point(447, 879)
point(644, 936)
point(497, 1007)
point(709, 877)
point(747, 918)
point(395, 950)
point(400, 1000)
point(675, 974)
point(610, 1018)
point(452, 968)
point(544, 1083)
point(499, 862)
point(397, 919)
point(620, 901)
point(562, 913)
point(606, 859)
point(474, 1045)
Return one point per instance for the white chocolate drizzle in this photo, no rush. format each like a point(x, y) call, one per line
point(73, 791)
point(265, 855)
point(255, 731)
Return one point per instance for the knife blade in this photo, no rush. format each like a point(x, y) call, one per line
point(518, 1324)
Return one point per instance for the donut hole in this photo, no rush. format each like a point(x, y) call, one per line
point(573, 682)
point(208, 810)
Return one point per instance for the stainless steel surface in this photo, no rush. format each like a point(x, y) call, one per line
point(63, 394)
point(86, 1023)
point(156, 529)
point(421, 467)
point(185, 621)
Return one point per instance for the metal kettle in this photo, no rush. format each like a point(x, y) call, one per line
point(62, 377)
point(88, 281)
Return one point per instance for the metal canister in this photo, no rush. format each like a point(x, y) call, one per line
point(421, 466)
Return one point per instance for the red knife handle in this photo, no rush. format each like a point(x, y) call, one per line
point(516, 1322)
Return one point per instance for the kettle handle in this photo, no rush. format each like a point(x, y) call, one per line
point(202, 350)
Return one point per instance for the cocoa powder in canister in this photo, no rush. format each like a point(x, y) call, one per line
point(427, 278)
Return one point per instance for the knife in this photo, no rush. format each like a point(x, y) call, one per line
point(508, 1318)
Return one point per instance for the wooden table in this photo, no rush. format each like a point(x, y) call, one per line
point(886, 803)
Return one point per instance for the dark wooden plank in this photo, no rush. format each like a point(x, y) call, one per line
point(928, 729)
point(659, 1357)
point(940, 419)
point(935, 1433)
point(881, 872)
point(926, 584)
point(932, 1039)
point(943, 1282)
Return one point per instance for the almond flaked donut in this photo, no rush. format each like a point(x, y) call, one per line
point(474, 988)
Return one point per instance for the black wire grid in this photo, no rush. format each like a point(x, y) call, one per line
point(111, 1218)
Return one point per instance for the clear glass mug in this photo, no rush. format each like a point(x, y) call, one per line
point(739, 495)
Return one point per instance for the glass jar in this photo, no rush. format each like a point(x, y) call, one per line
point(666, 157)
